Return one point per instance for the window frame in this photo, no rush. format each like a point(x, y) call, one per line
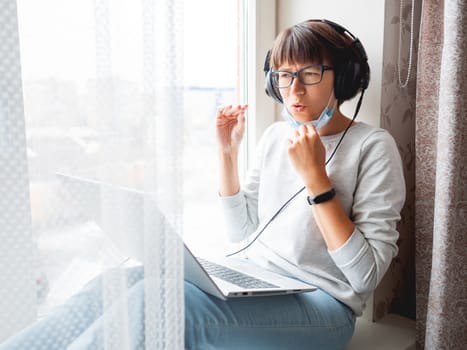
point(258, 30)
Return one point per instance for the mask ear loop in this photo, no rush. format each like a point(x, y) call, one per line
point(327, 113)
point(357, 109)
point(329, 99)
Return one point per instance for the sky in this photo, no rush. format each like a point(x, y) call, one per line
point(58, 39)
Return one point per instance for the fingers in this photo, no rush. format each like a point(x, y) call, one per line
point(241, 123)
point(302, 132)
point(231, 111)
point(307, 129)
point(221, 110)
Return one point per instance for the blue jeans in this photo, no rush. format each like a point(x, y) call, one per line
point(312, 320)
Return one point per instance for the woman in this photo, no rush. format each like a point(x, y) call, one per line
point(336, 186)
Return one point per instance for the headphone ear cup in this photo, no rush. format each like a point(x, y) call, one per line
point(272, 91)
point(348, 80)
point(364, 75)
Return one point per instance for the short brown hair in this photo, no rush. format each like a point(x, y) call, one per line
point(309, 41)
point(319, 42)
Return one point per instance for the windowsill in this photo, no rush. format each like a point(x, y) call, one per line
point(393, 332)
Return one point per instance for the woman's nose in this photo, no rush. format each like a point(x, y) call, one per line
point(297, 87)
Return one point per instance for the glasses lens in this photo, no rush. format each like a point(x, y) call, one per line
point(310, 75)
point(282, 79)
point(307, 76)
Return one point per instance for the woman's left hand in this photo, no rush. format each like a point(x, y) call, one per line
point(308, 156)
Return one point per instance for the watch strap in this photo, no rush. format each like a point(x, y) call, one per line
point(321, 198)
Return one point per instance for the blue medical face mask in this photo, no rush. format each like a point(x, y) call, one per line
point(323, 119)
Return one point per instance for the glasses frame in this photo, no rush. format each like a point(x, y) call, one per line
point(296, 74)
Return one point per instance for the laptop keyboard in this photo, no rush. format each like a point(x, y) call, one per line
point(234, 277)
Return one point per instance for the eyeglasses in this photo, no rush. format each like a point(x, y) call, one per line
point(309, 75)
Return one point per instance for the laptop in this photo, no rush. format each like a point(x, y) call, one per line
point(237, 278)
point(224, 278)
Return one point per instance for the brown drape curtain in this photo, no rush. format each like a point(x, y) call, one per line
point(441, 177)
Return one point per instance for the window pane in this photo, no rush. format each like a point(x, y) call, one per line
point(210, 80)
point(86, 115)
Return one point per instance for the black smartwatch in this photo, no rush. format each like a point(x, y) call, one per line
point(321, 198)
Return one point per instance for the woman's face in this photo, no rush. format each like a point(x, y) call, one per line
point(306, 102)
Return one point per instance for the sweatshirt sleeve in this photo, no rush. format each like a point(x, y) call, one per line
point(378, 199)
point(240, 215)
point(241, 209)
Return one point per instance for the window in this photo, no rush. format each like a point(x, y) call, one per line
point(65, 53)
point(66, 56)
point(70, 130)
point(211, 75)
point(234, 44)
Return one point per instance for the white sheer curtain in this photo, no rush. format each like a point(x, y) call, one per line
point(91, 137)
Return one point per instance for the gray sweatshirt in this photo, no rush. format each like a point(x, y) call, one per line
point(367, 174)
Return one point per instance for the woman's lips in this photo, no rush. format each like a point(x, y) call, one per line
point(298, 108)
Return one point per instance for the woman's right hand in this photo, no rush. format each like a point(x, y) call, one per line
point(230, 127)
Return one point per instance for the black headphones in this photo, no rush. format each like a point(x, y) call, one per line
point(349, 78)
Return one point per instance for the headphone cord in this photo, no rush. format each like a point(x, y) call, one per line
point(357, 109)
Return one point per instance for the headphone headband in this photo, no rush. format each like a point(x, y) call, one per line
point(350, 77)
point(359, 49)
